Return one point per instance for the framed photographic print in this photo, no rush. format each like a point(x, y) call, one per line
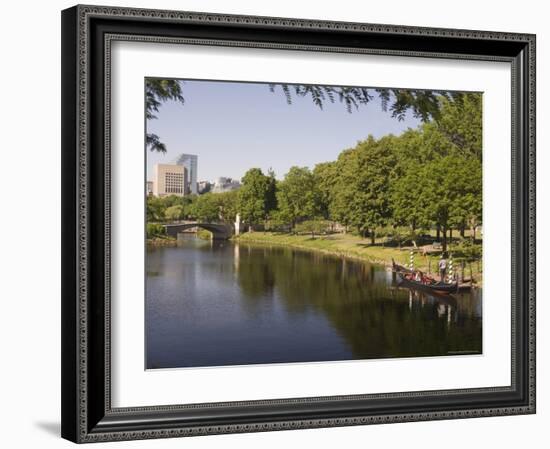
point(277, 223)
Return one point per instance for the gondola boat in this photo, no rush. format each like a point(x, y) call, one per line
point(396, 268)
point(436, 287)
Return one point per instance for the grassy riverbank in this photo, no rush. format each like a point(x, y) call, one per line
point(167, 240)
point(161, 240)
point(348, 245)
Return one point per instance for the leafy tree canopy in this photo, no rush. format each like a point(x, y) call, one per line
point(256, 196)
point(426, 105)
point(297, 195)
point(423, 104)
point(157, 91)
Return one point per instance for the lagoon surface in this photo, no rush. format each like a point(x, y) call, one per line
point(211, 303)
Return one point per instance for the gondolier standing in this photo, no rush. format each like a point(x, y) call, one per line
point(442, 267)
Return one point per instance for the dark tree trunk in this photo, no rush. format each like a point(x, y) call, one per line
point(438, 232)
point(462, 231)
point(451, 235)
point(372, 237)
point(444, 242)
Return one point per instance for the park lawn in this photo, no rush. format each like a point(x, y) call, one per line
point(352, 246)
point(339, 244)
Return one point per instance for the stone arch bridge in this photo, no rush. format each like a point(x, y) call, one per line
point(220, 231)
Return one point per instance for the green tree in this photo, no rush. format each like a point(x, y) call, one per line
point(314, 226)
point(429, 176)
point(467, 212)
point(423, 104)
point(361, 195)
point(174, 213)
point(452, 185)
point(276, 221)
point(460, 121)
point(157, 91)
point(172, 200)
point(341, 190)
point(186, 202)
point(271, 194)
point(408, 201)
point(155, 209)
point(228, 205)
point(324, 175)
point(426, 153)
point(256, 196)
point(296, 196)
point(155, 230)
point(206, 208)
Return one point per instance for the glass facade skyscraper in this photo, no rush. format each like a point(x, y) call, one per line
point(190, 162)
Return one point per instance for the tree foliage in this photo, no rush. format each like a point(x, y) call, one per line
point(428, 177)
point(324, 175)
point(461, 123)
point(360, 185)
point(423, 104)
point(205, 208)
point(426, 105)
point(174, 213)
point(155, 230)
point(158, 91)
point(297, 196)
point(155, 209)
point(228, 205)
point(314, 226)
point(256, 196)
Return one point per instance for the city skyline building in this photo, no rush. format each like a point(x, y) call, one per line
point(169, 179)
point(204, 187)
point(224, 184)
point(190, 162)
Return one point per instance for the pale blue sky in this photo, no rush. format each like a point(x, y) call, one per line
point(232, 127)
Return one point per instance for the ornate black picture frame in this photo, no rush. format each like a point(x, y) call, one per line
point(87, 34)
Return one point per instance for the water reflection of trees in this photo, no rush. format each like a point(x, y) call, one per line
point(375, 319)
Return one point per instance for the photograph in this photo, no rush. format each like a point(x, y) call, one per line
point(284, 218)
point(298, 223)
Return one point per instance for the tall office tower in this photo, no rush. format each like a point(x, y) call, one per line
point(169, 180)
point(190, 162)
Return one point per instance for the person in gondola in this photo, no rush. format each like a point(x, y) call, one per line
point(442, 267)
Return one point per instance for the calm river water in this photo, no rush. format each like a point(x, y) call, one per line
point(221, 303)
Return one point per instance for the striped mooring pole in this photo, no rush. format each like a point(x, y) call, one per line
point(451, 266)
point(411, 260)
